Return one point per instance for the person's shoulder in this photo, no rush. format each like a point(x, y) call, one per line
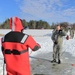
point(7, 33)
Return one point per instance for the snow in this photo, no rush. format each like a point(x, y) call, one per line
point(43, 37)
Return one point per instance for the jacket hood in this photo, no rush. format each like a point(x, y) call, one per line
point(16, 24)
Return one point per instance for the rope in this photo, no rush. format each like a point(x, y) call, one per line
point(30, 53)
point(3, 68)
point(39, 58)
point(63, 52)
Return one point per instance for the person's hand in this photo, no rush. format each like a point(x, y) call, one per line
point(39, 45)
point(55, 42)
point(60, 31)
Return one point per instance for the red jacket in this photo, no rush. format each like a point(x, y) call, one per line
point(15, 46)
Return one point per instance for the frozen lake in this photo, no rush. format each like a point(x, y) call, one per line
point(43, 37)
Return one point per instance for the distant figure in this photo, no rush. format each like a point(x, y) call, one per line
point(71, 33)
point(57, 38)
point(15, 46)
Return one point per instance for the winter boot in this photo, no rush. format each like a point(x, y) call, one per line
point(59, 62)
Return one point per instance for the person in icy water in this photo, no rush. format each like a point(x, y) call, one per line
point(15, 46)
point(57, 38)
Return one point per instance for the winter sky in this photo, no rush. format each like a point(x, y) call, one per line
point(47, 10)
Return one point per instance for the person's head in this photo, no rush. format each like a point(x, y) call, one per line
point(58, 27)
point(16, 24)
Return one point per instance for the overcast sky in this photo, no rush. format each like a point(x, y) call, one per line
point(47, 10)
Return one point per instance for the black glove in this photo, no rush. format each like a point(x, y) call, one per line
point(55, 42)
point(60, 31)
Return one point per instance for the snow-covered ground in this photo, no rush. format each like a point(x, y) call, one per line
point(43, 37)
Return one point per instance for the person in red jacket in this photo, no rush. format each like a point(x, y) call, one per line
point(15, 46)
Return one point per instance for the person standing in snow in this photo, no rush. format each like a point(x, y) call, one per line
point(15, 46)
point(57, 38)
point(71, 33)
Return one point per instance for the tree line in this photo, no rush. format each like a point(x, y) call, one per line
point(33, 24)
